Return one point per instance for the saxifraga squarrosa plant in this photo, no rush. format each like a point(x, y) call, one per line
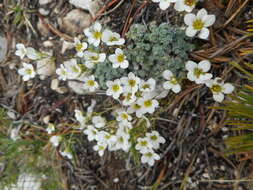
point(150, 50)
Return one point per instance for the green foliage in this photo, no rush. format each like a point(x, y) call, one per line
point(150, 50)
point(240, 109)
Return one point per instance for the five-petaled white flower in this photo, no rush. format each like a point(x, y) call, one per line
point(143, 144)
point(130, 83)
point(149, 157)
point(155, 139)
point(92, 58)
point(106, 137)
point(164, 4)
point(21, 50)
point(80, 47)
point(148, 105)
point(122, 116)
point(55, 140)
point(122, 141)
point(98, 121)
point(147, 86)
point(114, 88)
point(90, 83)
point(94, 34)
point(119, 59)
point(100, 148)
point(66, 153)
point(185, 5)
point(135, 108)
point(198, 72)
point(80, 118)
point(91, 132)
point(199, 23)
point(27, 71)
point(171, 82)
point(219, 88)
point(62, 72)
point(128, 98)
point(73, 69)
point(112, 38)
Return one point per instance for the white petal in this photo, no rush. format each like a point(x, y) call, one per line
point(189, 18)
point(205, 65)
point(167, 85)
point(228, 88)
point(176, 88)
point(191, 76)
point(190, 31)
point(167, 74)
point(201, 13)
point(118, 51)
point(209, 20)
point(218, 97)
point(190, 65)
point(164, 4)
point(204, 33)
point(97, 26)
point(179, 6)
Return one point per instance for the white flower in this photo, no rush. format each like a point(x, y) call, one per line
point(122, 116)
point(149, 157)
point(100, 147)
point(106, 137)
point(112, 38)
point(148, 86)
point(171, 82)
point(32, 54)
point(93, 58)
point(21, 51)
point(122, 141)
point(185, 5)
point(80, 47)
point(55, 140)
point(131, 83)
point(80, 118)
point(27, 71)
point(128, 98)
point(199, 23)
point(62, 72)
point(14, 134)
point(164, 4)
point(94, 34)
point(90, 83)
point(98, 121)
point(50, 128)
point(155, 139)
point(67, 153)
point(143, 144)
point(114, 88)
point(219, 88)
point(91, 132)
point(148, 105)
point(135, 108)
point(198, 72)
point(118, 59)
point(73, 69)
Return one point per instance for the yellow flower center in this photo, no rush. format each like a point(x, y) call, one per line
point(216, 88)
point(75, 69)
point(136, 106)
point(115, 88)
point(121, 140)
point(124, 116)
point(190, 3)
point(198, 72)
point(132, 82)
point(198, 24)
point(29, 71)
point(145, 86)
point(79, 47)
point(148, 103)
point(97, 35)
point(149, 154)
point(173, 81)
point(112, 39)
point(91, 82)
point(153, 137)
point(94, 58)
point(121, 58)
point(143, 143)
point(101, 147)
